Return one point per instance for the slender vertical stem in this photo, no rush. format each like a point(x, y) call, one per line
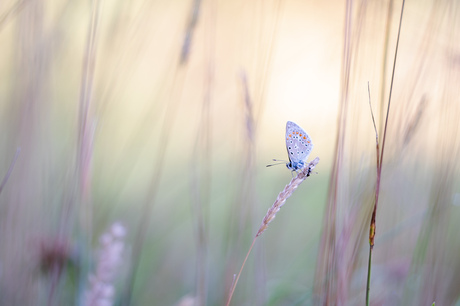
point(239, 273)
point(391, 85)
point(271, 213)
point(368, 276)
point(379, 164)
point(377, 191)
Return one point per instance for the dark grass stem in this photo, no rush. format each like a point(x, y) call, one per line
point(372, 228)
point(271, 213)
point(372, 225)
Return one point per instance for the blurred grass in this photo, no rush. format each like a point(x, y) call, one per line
point(80, 171)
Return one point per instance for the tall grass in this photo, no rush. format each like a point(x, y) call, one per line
point(379, 161)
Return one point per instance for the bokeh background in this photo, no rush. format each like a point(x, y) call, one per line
point(135, 135)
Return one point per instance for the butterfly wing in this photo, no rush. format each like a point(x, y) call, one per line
point(298, 145)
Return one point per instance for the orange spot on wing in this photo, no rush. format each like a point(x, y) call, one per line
point(304, 137)
point(290, 135)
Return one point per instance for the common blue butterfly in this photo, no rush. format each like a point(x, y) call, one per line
point(298, 145)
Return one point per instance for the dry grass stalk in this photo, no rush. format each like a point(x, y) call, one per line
point(372, 227)
point(280, 200)
point(285, 194)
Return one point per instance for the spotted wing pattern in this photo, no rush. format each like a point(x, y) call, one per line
point(298, 145)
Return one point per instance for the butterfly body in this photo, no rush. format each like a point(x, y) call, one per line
point(298, 145)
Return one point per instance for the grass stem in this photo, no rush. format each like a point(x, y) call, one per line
point(239, 273)
point(368, 287)
point(379, 163)
point(271, 213)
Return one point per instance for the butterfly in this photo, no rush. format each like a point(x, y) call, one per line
point(298, 145)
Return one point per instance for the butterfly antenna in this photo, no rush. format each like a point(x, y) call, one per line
point(277, 160)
